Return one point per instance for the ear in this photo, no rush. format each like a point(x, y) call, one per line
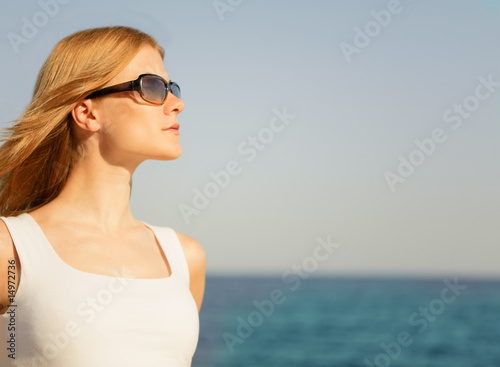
point(84, 115)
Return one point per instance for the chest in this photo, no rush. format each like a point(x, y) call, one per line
point(135, 254)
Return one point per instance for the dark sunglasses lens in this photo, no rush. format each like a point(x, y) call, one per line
point(153, 89)
point(176, 90)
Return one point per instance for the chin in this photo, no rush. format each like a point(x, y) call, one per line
point(170, 155)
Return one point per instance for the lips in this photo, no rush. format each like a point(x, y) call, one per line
point(174, 127)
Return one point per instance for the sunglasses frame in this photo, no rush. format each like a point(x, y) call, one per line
point(135, 85)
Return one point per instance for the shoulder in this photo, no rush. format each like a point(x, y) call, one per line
point(196, 260)
point(194, 252)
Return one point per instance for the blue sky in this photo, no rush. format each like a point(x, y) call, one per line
point(430, 74)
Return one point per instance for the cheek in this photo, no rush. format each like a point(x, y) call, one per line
point(115, 118)
point(127, 126)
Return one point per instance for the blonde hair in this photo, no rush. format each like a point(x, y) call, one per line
point(40, 147)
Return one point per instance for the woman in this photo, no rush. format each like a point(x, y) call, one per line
point(93, 285)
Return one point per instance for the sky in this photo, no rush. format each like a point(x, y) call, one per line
point(346, 138)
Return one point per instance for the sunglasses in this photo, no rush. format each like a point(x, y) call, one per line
point(152, 88)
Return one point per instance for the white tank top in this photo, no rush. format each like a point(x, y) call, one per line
point(64, 317)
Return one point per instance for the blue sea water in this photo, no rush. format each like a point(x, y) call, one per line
point(342, 322)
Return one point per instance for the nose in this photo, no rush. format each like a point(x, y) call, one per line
point(173, 104)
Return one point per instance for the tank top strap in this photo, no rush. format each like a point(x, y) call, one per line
point(172, 248)
point(32, 252)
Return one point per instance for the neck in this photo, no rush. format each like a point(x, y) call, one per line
point(96, 193)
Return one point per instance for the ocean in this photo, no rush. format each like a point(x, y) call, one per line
point(263, 321)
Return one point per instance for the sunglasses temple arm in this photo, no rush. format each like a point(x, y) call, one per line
point(124, 87)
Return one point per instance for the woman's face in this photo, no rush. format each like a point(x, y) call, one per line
point(133, 130)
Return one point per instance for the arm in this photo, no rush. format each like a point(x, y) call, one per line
point(7, 254)
point(196, 259)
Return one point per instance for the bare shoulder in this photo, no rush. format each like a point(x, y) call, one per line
point(196, 259)
point(194, 251)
